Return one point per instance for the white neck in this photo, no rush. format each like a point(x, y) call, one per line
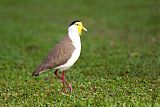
point(74, 36)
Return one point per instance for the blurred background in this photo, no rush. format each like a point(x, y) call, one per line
point(121, 46)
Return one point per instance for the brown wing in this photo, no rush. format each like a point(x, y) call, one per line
point(58, 56)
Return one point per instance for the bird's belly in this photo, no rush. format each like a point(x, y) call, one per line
point(71, 61)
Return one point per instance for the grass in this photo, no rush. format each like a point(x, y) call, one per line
point(119, 64)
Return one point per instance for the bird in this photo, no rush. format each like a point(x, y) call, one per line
point(64, 54)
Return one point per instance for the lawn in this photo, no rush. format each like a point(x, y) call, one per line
point(120, 58)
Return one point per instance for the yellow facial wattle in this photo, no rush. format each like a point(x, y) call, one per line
point(80, 27)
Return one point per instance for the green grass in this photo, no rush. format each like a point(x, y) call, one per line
point(119, 64)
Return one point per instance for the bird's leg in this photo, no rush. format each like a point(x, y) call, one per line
point(63, 80)
point(56, 74)
point(70, 88)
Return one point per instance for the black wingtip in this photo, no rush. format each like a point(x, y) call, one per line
point(35, 74)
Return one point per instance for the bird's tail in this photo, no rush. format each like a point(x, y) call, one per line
point(41, 68)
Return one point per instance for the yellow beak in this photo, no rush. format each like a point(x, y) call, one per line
point(84, 28)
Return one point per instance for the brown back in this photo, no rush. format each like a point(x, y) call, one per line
point(59, 55)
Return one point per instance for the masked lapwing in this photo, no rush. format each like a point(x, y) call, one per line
point(64, 54)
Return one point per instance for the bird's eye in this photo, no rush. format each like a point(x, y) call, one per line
point(77, 24)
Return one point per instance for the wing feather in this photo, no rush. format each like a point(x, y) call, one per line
point(57, 56)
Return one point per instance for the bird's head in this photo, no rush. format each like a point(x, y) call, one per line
point(77, 25)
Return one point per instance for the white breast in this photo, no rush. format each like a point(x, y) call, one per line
point(74, 36)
